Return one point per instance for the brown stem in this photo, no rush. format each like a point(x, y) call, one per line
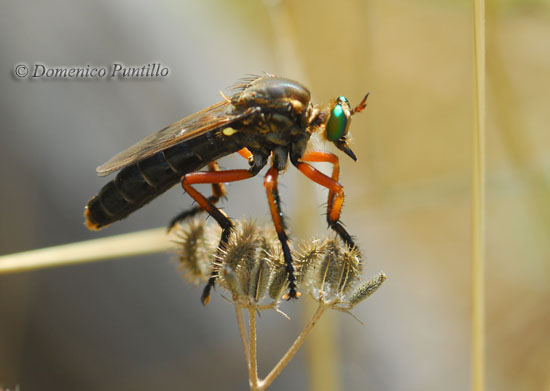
point(253, 361)
point(283, 362)
point(242, 332)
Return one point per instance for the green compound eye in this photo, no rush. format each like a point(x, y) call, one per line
point(337, 122)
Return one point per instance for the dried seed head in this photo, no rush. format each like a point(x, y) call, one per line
point(240, 251)
point(335, 272)
point(259, 278)
point(231, 283)
point(279, 278)
point(252, 267)
point(308, 255)
point(194, 251)
point(249, 253)
point(366, 289)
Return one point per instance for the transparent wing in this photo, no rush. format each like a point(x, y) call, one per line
point(187, 128)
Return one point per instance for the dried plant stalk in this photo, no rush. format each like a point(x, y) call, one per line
point(478, 201)
point(252, 269)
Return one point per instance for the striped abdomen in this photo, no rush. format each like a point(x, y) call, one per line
point(138, 183)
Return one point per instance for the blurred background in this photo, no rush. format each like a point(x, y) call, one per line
point(133, 324)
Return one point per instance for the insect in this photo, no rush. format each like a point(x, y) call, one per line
point(267, 118)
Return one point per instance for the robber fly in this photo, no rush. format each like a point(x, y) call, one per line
point(267, 118)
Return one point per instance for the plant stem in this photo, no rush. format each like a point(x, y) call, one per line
point(283, 362)
point(242, 332)
point(253, 361)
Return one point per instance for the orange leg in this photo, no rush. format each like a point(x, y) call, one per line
point(336, 190)
point(218, 192)
point(213, 177)
point(270, 184)
point(318, 156)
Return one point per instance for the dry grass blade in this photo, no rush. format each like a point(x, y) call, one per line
point(119, 246)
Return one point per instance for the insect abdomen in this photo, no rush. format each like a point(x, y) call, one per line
point(141, 182)
point(133, 187)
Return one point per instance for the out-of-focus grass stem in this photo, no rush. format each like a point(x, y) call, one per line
point(478, 201)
